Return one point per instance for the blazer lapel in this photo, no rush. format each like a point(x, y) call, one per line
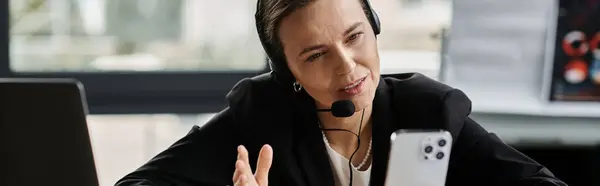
point(295, 144)
point(383, 127)
point(313, 160)
point(286, 169)
point(310, 150)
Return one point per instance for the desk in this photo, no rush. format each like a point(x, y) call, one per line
point(542, 130)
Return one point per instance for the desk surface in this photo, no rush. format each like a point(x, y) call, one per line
point(542, 130)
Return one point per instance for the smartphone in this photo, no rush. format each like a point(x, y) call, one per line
point(419, 158)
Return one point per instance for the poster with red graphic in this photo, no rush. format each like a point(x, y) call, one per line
point(576, 65)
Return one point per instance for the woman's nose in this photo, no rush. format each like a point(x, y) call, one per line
point(345, 64)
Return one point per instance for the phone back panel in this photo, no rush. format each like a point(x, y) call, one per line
point(419, 158)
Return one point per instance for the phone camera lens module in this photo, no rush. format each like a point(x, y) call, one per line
point(442, 142)
point(428, 149)
point(439, 155)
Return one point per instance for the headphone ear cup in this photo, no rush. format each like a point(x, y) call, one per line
point(375, 22)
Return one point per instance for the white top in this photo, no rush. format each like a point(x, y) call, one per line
point(340, 170)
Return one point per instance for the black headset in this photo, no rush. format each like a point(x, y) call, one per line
point(277, 60)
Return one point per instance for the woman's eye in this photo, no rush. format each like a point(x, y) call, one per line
point(314, 57)
point(353, 37)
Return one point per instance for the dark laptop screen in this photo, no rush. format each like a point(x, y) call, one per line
point(44, 134)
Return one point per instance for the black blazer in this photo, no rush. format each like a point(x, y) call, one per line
point(263, 112)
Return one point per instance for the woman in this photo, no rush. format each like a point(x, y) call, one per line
point(323, 51)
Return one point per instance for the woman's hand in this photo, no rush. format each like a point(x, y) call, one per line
point(243, 175)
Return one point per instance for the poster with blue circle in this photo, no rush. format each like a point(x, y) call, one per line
point(576, 64)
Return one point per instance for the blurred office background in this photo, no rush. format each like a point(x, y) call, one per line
point(154, 68)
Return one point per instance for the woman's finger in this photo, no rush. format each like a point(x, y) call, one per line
point(243, 154)
point(265, 159)
point(243, 181)
point(239, 167)
point(246, 170)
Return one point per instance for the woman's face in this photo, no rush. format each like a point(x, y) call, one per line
point(332, 52)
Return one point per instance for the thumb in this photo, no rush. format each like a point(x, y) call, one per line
point(265, 159)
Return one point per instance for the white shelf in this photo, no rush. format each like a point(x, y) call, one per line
point(506, 102)
point(540, 130)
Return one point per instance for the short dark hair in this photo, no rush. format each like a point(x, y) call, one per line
point(269, 15)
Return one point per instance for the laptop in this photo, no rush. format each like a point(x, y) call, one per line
point(44, 138)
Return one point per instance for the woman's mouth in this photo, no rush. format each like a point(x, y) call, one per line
point(355, 87)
